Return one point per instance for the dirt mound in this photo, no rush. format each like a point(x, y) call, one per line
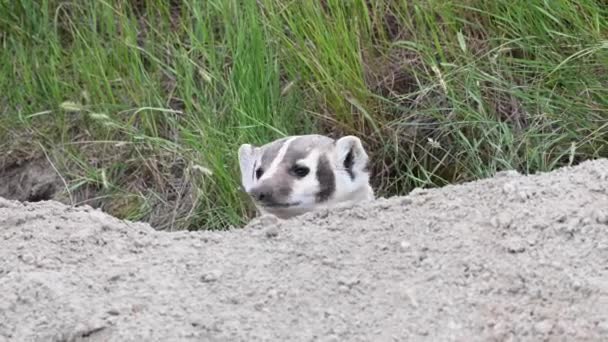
point(509, 257)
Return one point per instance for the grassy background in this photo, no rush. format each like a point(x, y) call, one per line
point(141, 105)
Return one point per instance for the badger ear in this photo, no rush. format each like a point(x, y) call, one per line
point(248, 156)
point(351, 155)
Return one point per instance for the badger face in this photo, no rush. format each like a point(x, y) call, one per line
point(294, 175)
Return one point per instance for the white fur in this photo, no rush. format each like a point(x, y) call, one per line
point(247, 158)
point(304, 190)
point(347, 190)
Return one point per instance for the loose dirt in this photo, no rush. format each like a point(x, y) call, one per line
point(506, 258)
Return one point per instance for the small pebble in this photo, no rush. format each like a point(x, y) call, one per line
point(405, 202)
point(501, 220)
point(422, 331)
point(383, 247)
point(113, 312)
point(271, 232)
point(576, 285)
point(350, 282)
point(330, 338)
point(343, 288)
point(523, 195)
point(263, 221)
point(561, 218)
point(211, 276)
point(603, 326)
point(418, 192)
point(543, 327)
point(329, 261)
point(27, 258)
point(404, 246)
point(507, 173)
point(600, 216)
point(515, 246)
point(115, 277)
point(509, 188)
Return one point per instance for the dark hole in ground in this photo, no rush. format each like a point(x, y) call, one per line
point(31, 180)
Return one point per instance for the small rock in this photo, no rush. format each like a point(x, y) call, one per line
point(515, 246)
point(383, 247)
point(603, 326)
point(422, 331)
point(211, 276)
point(502, 220)
point(383, 204)
point(523, 195)
point(264, 221)
point(140, 244)
point(135, 308)
point(543, 327)
point(573, 227)
point(271, 232)
point(576, 285)
point(507, 173)
point(418, 192)
point(329, 261)
point(359, 214)
point(509, 188)
point(85, 329)
point(331, 338)
point(113, 312)
point(321, 214)
point(405, 202)
point(600, 216)
point(348, 282)
point(114, 277)
point(561, 218)
point(404, 246)
point(27, 258)
point(272, 293)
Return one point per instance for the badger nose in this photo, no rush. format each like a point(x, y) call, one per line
point(262, 194)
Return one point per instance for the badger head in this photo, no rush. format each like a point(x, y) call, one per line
point(294, 175)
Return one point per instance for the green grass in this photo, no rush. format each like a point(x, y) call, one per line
point(141, 105)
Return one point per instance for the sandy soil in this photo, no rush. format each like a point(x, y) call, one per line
point(508, 258)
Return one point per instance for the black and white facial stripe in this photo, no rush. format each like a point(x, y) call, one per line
point(326, 178)
point(349, 162)
point(281, 166)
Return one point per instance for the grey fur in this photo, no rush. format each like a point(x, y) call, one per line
point(276, 191)
point(298, 149)
point(270, 152)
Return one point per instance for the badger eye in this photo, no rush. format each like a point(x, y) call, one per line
point(258, 173)
point(300, 171)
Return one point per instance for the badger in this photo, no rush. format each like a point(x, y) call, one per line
point(298, 174)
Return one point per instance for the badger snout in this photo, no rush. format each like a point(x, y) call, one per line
point(262, 194)
point(269, 195)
